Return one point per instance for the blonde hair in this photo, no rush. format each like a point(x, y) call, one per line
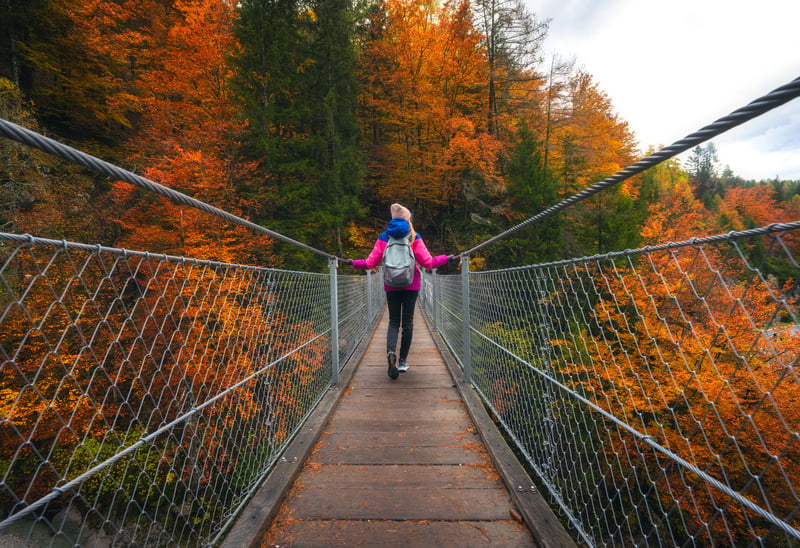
point(413, 232)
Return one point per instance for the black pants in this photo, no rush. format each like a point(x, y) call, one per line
point(401, 312)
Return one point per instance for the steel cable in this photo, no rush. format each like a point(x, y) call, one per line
point(773, 99)
point(33, 139)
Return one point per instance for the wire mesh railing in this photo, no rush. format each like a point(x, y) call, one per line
point(654, 393)
point(442, 301)
point(361, 301)
point(143, 398)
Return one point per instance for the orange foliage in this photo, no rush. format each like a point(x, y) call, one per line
point(692, 354)
point(676, 216)
point(170, 335)
point(134, 343)
point(590, 142)
point(749, 207)
point(186, 135)
point(423, 98)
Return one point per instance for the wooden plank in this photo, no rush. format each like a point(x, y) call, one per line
point(393, 534)
point(404, 412)
point(414, 379)
point(390, 397)
point(325, 476)
point(399, 504)
point(401, 424)
point(413, 438)
point(406, 398)
point(431, 456)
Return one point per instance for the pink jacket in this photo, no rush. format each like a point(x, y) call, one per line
point(421, 253)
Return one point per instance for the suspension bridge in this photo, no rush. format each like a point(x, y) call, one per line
point(645, 397)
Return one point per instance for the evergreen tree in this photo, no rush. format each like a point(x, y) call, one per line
point(17, 18)
point(296, 75)
point(620, 222)
point(702, 167)
point(531, 190)
point(269, 69)
point(335, 146)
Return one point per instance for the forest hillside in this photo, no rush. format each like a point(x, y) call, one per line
point(312, 117)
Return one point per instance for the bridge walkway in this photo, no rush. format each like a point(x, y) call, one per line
point(401, 463)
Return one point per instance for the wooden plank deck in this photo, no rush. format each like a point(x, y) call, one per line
point(397, 463)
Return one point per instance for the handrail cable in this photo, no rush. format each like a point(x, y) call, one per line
point(30, 240)
point(771, 100)
point(691, 242)
point(59, 490)
point(65, 152)
point(651, 441)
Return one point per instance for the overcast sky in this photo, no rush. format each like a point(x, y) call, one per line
point(673, 67)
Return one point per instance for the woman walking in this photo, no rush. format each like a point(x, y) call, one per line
point(401, 300)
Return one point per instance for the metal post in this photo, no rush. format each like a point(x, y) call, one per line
point(332, 264)
point(466, 331)
point(435, 296)
point(368, 320)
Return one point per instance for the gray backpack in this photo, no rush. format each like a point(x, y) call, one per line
point(398, 263)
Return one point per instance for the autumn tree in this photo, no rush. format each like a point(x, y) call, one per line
point(791, 212)
point(746, 207)
point(512, 40)
point(686, 346)
point(423, 107)
point(674, 214)
point(69, 88)
point(158, 320)
point(186, 137)
point(589, 144)
point(743, 208)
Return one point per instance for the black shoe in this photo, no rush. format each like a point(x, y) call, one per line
point(393, 372)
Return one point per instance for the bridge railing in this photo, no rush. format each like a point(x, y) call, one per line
point(654, 393)
point(143, 398)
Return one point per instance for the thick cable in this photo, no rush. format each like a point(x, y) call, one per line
point(649, 440)
point(773, 99)
point(33, 139)
point(693, 242)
